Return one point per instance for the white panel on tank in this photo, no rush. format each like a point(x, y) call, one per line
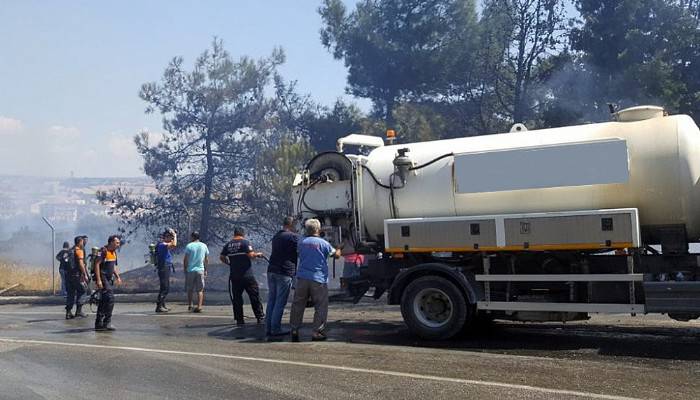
point(570, 164)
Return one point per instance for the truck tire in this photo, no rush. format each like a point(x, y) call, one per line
point(433, 308)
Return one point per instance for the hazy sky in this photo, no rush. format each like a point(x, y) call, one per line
point(70, 71)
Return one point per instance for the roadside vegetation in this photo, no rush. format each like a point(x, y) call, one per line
point(31, 280)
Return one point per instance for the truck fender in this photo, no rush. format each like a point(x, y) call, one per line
point(464, 281)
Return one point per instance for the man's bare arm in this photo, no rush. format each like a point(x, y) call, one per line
point(173, 243)
point(98, 275)
point(116, 273)
point(83, 270)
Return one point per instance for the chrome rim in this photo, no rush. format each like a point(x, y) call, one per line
point(433, 307)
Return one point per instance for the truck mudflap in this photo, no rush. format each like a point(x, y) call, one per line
point(672, 297)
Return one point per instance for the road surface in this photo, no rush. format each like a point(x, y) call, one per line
point(369, 355)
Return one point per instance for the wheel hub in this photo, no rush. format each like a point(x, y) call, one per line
point(433, 307)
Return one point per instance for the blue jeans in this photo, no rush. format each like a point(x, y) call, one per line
point(278, 291)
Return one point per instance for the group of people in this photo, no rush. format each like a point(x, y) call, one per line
point(295, 260)
point(77, 274)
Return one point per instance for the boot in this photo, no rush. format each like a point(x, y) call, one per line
point(79, 312)
point(160, 309)
point(69, 315)
point(99, 326)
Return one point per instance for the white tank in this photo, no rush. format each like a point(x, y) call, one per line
point(651, 164)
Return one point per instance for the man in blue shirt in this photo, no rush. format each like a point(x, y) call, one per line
point(164, 263)
point(195, 265)
point(312, 280)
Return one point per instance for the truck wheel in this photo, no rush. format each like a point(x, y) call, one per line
point(433, 308)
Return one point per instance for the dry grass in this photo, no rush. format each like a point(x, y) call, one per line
point(32, 280)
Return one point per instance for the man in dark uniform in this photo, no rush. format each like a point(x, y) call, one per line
point(76, 277)
point(105, 273)
point(164, 264)
point(238, 254)
point(63, 258)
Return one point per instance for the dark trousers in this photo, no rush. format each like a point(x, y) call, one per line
point(105, 305)
point(75, 291)
point(236, 286)
point(164, 278)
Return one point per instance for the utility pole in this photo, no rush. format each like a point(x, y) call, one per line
point(53, 251)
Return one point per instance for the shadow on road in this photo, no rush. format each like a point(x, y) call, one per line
point(509, 338)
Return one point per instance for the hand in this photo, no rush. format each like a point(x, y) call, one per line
point(205, 273)
point(260, 255)
point(99, 284)
point(83, 278)
point(119, 281)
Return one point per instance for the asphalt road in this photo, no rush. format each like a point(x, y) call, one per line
point(370, 354)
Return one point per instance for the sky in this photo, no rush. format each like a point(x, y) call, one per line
point(70, 71)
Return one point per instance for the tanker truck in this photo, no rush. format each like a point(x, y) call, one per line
point(540, 225)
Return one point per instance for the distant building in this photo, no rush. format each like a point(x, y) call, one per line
point(59, 212)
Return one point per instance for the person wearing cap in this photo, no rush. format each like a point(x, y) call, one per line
point(195, 265)
point(164, 264)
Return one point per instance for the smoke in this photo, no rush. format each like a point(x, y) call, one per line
point(576, 92)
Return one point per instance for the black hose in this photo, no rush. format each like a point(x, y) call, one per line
point(375, 178)
point(431, 161)
point(303, 197)
point(391, 195)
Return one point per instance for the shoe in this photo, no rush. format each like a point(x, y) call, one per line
point(261, 320)
point(274, 338)
point(280, 333)
point(161, 310)
point(318, 337)
point(189, 308)
point(69, 315)
point(109, 328)
point(79, 313)
point(164, 307)
point(240, 323)
point(197, 310)
point(295, 336)
point(99, 328)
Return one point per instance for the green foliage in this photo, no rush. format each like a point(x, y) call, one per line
point(275, 170)
point(641, 51)
point(400, 49)
point(215, 118)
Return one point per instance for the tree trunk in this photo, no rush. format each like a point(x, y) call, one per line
point(389, 118)
point(206, 199)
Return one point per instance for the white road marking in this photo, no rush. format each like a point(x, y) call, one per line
point(332, 367)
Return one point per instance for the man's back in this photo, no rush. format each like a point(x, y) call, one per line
point(196, 252)
point(237, 253)
point(63, 258)
point(283, 259)
point(313, 259)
